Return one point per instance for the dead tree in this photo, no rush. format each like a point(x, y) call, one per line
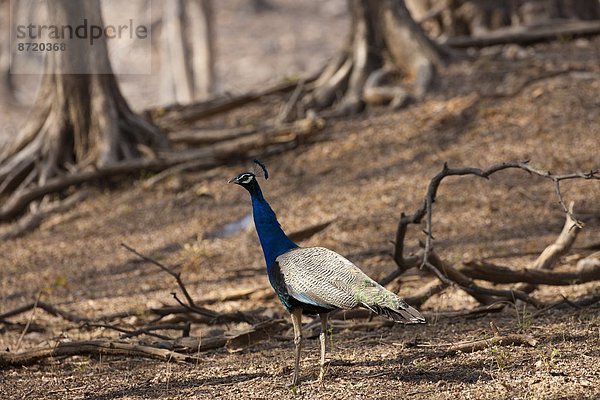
point(80, 117)
point(187, 51)
point(384, 45)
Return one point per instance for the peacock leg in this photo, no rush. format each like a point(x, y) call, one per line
point(323, 340)
point(297, 322)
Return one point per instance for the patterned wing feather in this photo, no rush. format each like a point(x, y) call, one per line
point(322, 277)
point(319, 276)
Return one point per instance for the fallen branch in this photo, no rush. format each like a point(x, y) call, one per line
point(49, 308)
point(526, 35)
point(18, 202)
point(426, 209)
point(257, 333)
point(174, 170)
point(586, 301)
point(453, 277)
point(177, 116)
point(233, 341)
point(472, 313)
point(18, 327)
point(102, 347)
point(499, 274)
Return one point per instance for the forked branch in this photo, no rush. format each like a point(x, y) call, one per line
point(450, 276)
point(426, 209)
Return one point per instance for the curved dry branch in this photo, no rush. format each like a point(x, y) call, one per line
point(451, 276)
point(426, 209)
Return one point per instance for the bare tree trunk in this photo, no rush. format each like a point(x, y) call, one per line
point(201, 34)
point(7, 90)
point(80, 117)
point(187, 51)
point(384, 43)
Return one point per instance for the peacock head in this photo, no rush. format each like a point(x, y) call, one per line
point(248, 180)
point(245, 179)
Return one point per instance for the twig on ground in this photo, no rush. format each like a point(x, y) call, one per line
point(29, 321)
point(176, 275)
point(176, 169)
point(233, 341)
point(361, 313)
point(239, 294)
point(128, 333)
point(50, 309)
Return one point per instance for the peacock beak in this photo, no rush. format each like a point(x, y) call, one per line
point(233, 180)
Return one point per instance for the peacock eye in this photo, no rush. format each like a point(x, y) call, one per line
point(246, 178)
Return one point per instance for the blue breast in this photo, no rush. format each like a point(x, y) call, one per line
point(273, 240)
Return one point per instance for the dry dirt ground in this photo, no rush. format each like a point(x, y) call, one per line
point(363, 173)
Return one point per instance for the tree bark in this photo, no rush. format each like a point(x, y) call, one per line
point(79, 118)
point(384, 46)
point(7, 90)
point(187, 51)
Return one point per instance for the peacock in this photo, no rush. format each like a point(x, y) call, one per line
point(315, 280)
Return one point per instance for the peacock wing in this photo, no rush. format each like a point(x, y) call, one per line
point(321, 277)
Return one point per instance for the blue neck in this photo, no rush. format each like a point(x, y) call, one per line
point(273, 240)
